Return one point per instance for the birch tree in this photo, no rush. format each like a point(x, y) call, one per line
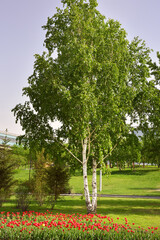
point(87, 79)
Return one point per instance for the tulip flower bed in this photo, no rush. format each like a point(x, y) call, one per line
point(36, 225)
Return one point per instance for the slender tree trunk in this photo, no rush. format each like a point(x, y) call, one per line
point(85, 179)
point(110, 164)
point(94, 187)
point(91, 207)
point(120, 166)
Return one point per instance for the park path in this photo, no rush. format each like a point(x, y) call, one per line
point(116, 196)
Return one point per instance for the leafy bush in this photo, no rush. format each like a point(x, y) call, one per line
point(39, 182)
point(23, 194)
point(50, 178)
point(57, 180)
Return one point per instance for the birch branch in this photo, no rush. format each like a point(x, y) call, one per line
point(92, 132)
point(70, 152)
point(110, 151)
point(104, 126)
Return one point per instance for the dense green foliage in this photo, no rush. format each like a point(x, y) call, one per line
point(92, 84)
point(127, 152)
point(151, 129)
point(6, 171)
point(49, 178)
point(38, 179)
point(22, 193)
point(57, 182)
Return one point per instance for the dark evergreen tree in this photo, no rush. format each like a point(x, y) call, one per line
point(57, 180)
point(6, 171)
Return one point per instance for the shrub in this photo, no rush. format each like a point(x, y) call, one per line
point(57, 180)
point(6, 172)
point(39, 182)
point(23, 194)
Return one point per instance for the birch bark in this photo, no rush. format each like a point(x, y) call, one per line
point(91, 207)
point(85, 179)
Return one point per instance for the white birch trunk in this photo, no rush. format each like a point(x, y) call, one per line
point(94, 187)
point(85, 179)
point(91, 207)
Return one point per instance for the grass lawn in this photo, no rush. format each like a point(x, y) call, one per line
point(141, 181)
point(22, 174)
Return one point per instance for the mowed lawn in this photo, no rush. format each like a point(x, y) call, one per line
point(141, 181)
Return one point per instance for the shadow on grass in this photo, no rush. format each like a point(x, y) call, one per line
point(105, 206)
point(152, 189)
point(118, 206)
point(129, 206)
point(134, 172)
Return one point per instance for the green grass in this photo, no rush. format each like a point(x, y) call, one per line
point(126, 182)
point(141, 181)
point(22, 174)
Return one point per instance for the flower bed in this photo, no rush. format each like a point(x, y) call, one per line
point(36, 225)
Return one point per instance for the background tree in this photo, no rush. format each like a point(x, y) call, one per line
point(127, 152)
point(6, 171)
point(39, 183)
point(57, 182)
point(23, 194)
point(51, 173)
point(90, 86)
point(151, 148)
point(151, 128)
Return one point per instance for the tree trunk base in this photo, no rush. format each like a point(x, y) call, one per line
point(91, 209)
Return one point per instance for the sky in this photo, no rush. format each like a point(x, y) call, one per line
point(21, 37)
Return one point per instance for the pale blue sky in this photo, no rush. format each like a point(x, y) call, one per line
point(21, 36)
